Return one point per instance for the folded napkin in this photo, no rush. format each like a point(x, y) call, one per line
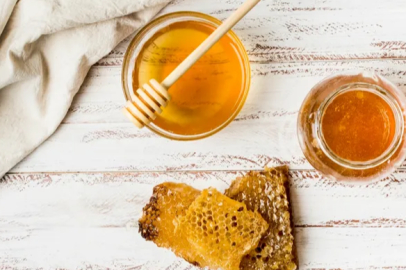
point(46, 50)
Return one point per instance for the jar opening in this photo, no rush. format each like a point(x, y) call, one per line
point(359, 126)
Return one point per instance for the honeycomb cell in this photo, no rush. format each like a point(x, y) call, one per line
point(222, 250)
point(266, 192)
point(168, 202)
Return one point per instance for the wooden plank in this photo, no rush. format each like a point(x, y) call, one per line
point(123, 248)
point(116, 199)
point(96, 136)
point(89, 220)
point(276, 90)
point(111, 147)
point(280, 31)
point(292, 5)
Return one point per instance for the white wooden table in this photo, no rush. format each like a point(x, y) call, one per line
point(74, 203)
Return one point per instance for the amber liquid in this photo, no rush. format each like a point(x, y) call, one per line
point(209, 93)
point(358, 125)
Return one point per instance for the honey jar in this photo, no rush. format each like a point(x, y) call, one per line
point(351, 127)
point(209, 95)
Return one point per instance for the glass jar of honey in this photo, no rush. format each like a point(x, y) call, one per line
point(351, 127)
point(209, 95)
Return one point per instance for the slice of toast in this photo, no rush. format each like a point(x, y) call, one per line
point(168, 202)
point(266, 192)
point(221, 230)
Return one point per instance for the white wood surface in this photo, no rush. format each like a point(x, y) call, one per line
point(74, 203)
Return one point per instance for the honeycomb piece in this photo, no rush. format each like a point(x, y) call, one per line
point(168, 202)
point(266, 192)
point(221, 230)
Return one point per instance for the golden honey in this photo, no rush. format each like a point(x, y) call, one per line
point(210, 93)
point(358, 125)
point(351, 127)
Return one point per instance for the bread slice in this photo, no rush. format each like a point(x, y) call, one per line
point(168, 202)
point(266, 192)
point(221, 230)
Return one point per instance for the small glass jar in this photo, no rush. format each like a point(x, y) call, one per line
point(137, 46)
point(313, 141)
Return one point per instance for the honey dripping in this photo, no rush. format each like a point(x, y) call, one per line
point(208, 94)
point(358, 125)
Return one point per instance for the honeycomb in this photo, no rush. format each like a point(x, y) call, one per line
point(266, 192)
point(221, 230)
point(168, 202)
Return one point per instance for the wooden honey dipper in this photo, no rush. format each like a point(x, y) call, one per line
point(147, 101)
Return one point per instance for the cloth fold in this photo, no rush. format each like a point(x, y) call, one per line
point(46, 49)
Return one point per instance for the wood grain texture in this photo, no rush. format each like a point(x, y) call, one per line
point(89, 220)
point(314, 30)
point(123, 248)
point(114, 199)
point(263, 134)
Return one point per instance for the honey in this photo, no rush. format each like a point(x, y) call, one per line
point(351, 127)
point(358, 125)
point(210, 93)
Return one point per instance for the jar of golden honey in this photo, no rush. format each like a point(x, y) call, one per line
point(209, 95)
point(352, 127)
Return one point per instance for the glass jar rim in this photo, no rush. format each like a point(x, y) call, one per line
point(399, 125)
point(140, 38)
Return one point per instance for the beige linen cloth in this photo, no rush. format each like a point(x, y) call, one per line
point(46, 50)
